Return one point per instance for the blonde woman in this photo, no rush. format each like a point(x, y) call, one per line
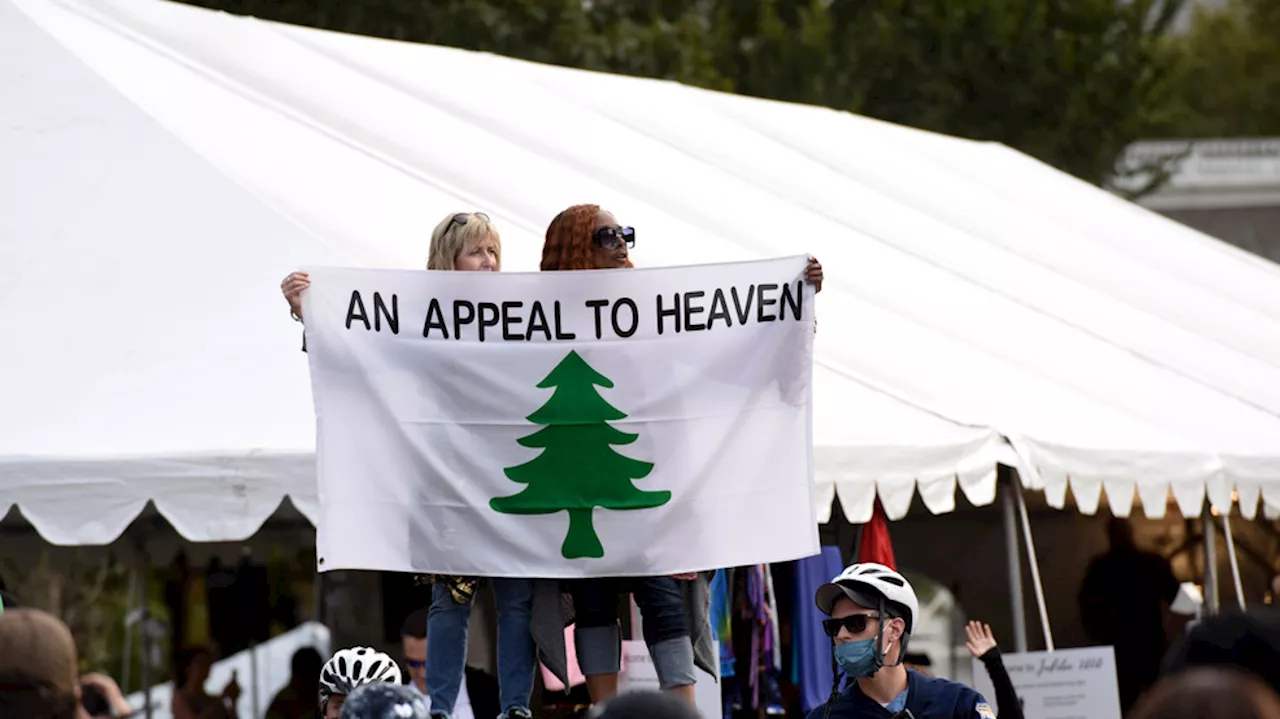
point(466, 241)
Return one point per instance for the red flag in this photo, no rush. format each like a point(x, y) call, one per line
point(876, 546)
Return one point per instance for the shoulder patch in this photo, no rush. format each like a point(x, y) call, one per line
point(984, 711)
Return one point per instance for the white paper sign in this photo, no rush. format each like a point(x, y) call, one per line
point(639, 674)
point(1065, 684)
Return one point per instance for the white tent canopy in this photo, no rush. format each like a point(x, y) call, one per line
point(166, 166)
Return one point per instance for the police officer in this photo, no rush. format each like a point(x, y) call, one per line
point(872, 612)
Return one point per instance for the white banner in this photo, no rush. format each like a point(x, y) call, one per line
point(563, 424)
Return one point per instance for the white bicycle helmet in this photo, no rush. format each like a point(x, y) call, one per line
point(353, 667)
point(866, 584)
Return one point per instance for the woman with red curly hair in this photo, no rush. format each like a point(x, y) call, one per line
point(676, 627)
point(585, 237)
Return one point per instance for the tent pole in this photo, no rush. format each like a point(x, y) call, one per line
point(318, 610)
point(953, 636)
point(144, 634)
point(1013, 559)
point(1035, 569)
point(1210, 560)
point(253, 670)
point(1231, 558)
point(127, 661)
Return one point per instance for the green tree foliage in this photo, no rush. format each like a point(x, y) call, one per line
point(1227, 68)
point(89, 590)
point(1069, 81)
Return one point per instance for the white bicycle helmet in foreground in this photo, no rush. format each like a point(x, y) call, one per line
point(882, 582)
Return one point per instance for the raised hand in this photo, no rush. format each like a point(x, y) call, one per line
point(813, 274)
point(292, 287)
point(980, 639)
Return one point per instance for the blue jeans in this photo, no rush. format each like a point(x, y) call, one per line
point(665, 626)
point(447, 645)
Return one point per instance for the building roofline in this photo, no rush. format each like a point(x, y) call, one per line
point(1218, 172)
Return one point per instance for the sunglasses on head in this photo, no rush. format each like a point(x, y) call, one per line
point(611, 238)
point(463, 217)
point(855, 623)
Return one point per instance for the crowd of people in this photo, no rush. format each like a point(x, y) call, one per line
point(1226, 666)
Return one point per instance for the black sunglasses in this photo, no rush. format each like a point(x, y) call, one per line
point(611, 238)
point(463, 217)
point(855, 623)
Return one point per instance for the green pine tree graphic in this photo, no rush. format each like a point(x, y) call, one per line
point(578, 469)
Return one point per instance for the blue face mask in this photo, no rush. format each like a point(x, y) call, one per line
point(857, 659)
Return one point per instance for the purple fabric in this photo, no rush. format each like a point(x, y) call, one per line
point(757, 611)
point(811, 665)
point(754, 610)
point(750, 612)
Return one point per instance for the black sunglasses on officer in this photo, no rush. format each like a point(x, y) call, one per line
point(855, 623)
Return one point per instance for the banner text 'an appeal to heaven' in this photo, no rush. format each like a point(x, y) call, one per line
point(620, 317)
